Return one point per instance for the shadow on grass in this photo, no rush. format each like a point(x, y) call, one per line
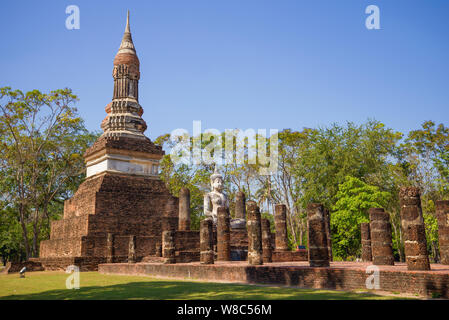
point(163, 290)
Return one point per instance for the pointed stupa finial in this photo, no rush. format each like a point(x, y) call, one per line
point(127, 45)
point(127, 29)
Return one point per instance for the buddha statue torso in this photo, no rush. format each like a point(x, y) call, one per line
point(216, 198)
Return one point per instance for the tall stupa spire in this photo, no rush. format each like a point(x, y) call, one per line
point(127, 45)
point(127, 29)
point(123, 148)
point(124, 112)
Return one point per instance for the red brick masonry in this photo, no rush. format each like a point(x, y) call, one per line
point(340, 275)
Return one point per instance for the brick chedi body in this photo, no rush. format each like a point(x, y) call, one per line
point(122, 194)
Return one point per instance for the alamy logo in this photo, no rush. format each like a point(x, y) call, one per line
point(73, 281)
point(373, 20)
point(73, 20)
point(373, 281)
point(234, 146)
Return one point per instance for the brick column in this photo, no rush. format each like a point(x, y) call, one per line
point(413, 230)
point(110, 248)
point(254, 235)
point(380, 232)
point(280, 223)
point(184, 209)
point(318, 253)
point(223, 234)
point(327, 226)
point(168, 246)
point(442, 213)
point(158, 249)
point(266, 241)
point(240, 207)
point(132, 249)
point(206, 242)
point(366, 242)
point(170, 218)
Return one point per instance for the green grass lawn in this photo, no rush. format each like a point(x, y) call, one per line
point(51, 285)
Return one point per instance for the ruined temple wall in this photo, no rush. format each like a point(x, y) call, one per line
point(69, 228)
point(61, 248)
point(187, 240)
point(119, 194)
point(239, 239)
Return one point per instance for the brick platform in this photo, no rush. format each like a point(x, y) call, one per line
point(340, 275)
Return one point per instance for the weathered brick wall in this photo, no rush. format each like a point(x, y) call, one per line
point(239, 239)
point(118, 194)
point(187, 241)
point(286, 256)
point(61, 247)
point(69, 228)
point(422, 283)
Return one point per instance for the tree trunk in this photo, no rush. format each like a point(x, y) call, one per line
point(35, 232)
point(24, 231)
point(292, 227)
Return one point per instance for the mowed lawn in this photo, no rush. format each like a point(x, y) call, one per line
point(51, 286)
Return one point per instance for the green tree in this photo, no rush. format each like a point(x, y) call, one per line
point(353, 199)
point(41, 141)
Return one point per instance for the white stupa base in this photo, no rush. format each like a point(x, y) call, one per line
point(123, 164)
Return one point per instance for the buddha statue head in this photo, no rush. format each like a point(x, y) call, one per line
point(216, 181)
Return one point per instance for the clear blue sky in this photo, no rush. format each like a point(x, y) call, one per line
point(240, 63)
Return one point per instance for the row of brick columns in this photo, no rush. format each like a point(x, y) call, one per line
point(377, 235)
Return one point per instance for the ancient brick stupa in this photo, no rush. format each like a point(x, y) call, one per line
point(122, 197)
